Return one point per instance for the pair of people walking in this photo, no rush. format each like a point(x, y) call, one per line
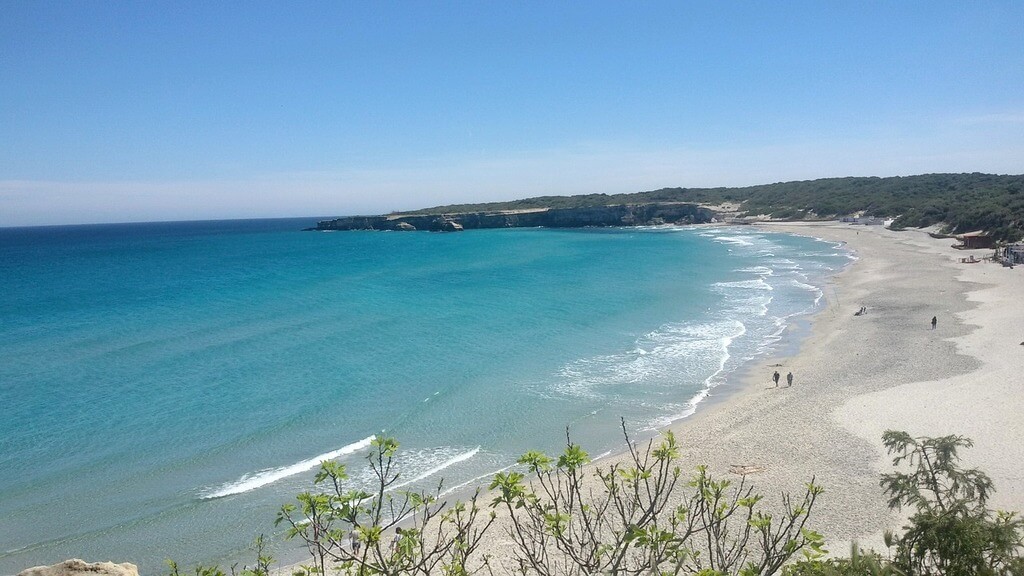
point(789, 379)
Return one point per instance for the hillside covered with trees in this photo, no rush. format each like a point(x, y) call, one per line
point(959, 202)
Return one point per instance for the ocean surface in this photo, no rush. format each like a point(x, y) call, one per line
point(165, 387)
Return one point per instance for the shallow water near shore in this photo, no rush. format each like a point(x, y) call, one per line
point(164, 388)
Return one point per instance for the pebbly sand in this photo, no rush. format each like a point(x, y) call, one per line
point(856, 376)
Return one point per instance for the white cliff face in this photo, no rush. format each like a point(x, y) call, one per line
point(78, 567)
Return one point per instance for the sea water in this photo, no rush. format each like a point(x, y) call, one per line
point(164, 388)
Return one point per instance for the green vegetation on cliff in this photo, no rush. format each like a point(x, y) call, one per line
point(961, 202)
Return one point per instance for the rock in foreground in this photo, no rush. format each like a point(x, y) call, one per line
point(78, 567)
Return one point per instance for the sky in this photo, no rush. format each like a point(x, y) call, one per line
point(142, 111)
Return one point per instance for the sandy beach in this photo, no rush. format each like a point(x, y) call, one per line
point(856, 376)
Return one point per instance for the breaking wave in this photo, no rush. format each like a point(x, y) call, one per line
point(262, 478)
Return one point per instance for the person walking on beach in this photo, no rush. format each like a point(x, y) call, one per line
point(353, 540)
point(396, 540)
point(775, 377)
point(789, 380)
point(935, 321)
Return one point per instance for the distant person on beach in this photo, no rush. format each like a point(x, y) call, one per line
point(789, 380)
point(354, 541)
point(775, 377)
point(935, 321)
point(396, 540)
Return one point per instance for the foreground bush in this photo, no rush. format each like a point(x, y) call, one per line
point(644, 517)
point(952, 531)
point(621, 522)
point(560, 520)
point(346, 530)
point(859, 563)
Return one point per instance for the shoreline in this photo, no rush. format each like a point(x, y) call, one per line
point(858, 376)
point(289, 552)
point(716, 408)
point(797, 330)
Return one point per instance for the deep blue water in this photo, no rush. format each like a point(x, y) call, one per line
point(165, 387)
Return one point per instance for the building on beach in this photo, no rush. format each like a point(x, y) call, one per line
point(1011, 254)
point(865, 220)
point(974, 241)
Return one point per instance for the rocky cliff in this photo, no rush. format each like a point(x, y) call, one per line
point(597, 216)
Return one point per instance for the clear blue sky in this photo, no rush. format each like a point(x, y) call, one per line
point(126, 111)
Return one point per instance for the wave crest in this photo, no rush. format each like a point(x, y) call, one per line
point(250, 482)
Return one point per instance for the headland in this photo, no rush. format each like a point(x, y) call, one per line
point(654, 213)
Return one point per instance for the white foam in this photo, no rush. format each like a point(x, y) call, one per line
point(477, 479)
point(784, 264)
point(737, 240)
point(807, 287)
point(688, 351)
point(759, 270)
point(447, 463)
point(259, 479)
point(710, 382)
point(703, 355)
point(756, 284)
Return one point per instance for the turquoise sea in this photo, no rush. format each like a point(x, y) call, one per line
point(165, 387)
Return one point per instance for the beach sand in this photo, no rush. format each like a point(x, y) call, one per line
point(856, 376)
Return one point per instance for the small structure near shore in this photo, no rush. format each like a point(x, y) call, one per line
point(1011, 254)
point(974, 241)
point(864, 220)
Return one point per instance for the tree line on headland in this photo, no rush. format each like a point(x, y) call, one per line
point(958, 202)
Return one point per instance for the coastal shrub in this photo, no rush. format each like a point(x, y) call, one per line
point(260, 568)
point(623, 521)
point(639, 518)
point(860, 563)
point(962, 202)
point(952, 531)
point(644, 517)
point(344, 529)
